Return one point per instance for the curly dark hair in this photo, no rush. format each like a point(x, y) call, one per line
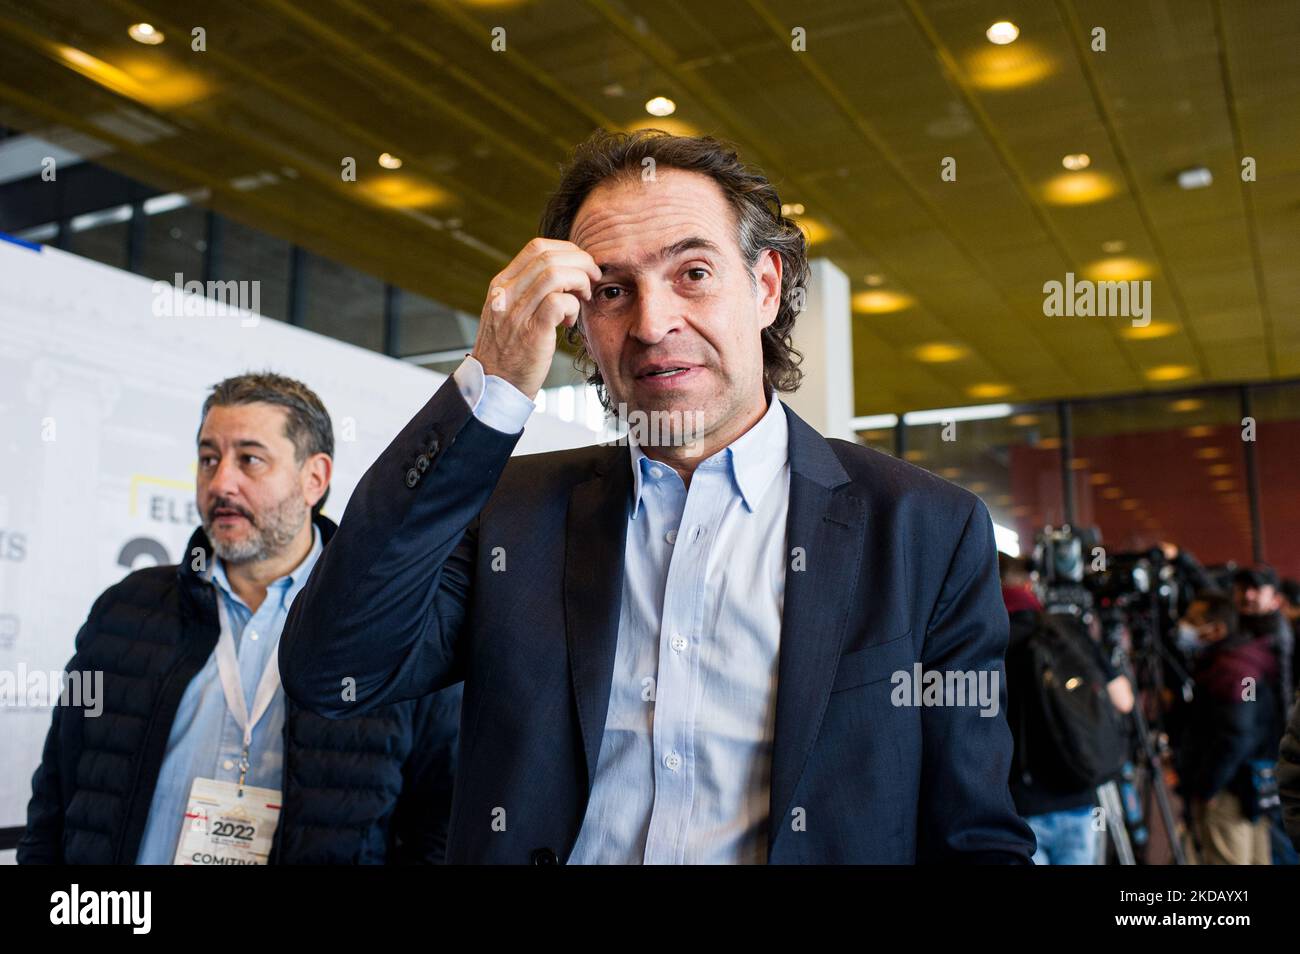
point(611, 155)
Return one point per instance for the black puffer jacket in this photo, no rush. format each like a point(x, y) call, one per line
point(373, 789)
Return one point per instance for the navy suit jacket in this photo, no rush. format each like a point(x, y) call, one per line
point(456, 561)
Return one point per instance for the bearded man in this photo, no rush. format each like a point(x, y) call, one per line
point(196, 756)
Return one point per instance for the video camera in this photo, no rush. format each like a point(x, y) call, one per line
point(1130, 592)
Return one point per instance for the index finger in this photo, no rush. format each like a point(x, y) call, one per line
point(538, 245)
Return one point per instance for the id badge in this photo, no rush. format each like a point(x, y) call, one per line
point(223, 829)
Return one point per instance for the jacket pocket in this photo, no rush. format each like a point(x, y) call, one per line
point(864, 666)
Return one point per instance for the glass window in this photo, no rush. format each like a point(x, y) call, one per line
point(1164, 468)
point(1012, 462)
point(878, 438)
point(427, 326)
point(247, 255)
point(101, 236)
point(1277, 455)
point(175, 242)
point(343, 303)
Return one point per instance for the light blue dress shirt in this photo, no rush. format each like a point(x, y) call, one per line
point(205, 741)
point(684, 772)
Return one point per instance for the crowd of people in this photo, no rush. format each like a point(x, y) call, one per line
point(1218, 709)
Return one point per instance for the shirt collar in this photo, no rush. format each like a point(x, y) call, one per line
point(291, 583)
point(754, 458)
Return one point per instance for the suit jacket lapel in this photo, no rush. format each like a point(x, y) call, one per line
point(828, 527)
point(595, 533)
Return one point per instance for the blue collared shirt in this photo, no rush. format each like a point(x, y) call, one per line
point(684, 772)
point(205, 741)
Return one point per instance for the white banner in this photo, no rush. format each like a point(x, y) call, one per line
point(101, 385)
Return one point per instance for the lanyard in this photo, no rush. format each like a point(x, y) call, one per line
point(228, 670)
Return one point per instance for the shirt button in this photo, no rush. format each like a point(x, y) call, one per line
point(678, 642)
point(671, 536)
point(656, 472)
point(227, 765)
point(252, 635)
point(673, 761)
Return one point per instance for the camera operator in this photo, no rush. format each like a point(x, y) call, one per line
point(1262, 606)
point(1057, 805)
point(1255, 591)
point(1230, 723)
point(1190, 577)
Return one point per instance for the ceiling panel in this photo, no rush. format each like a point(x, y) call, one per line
point(854, 128)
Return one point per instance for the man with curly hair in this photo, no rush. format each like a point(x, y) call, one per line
point(685, 648)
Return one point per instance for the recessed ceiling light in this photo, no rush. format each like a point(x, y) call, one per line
point(1157, 329)
point(1169, 372)
point(145, 33)
point(1118, 269)
point(939, 352)
point(1197, 177)
point(881, 302)
point(792, 208)
point(660, 106)
point(1076, 160)
point(988, 390)
point(1113, 247)
point(1183, 405)
point(1079, 188)
point(873, 280)
point(390, 161)
point(1002, 32)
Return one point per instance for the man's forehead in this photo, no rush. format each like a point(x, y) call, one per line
point(257, 420)
point(641, 217)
